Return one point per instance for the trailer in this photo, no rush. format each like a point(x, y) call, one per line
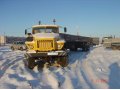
point(73, 42)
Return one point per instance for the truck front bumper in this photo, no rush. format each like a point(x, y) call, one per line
point(46, 54)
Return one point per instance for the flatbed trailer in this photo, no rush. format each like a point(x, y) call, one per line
point(73, 42)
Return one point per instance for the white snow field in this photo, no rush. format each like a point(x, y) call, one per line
point(99, 68)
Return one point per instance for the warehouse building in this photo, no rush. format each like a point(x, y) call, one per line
point(2, 40)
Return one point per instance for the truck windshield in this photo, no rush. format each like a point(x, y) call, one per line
point(45, 30)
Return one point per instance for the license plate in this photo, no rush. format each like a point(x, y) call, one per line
point(53, 53)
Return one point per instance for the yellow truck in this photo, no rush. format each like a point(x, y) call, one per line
point(47, 46)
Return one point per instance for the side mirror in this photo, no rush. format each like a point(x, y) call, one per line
point(33, 32)
point(65, 29)
point(25, 31)
point(29, 34)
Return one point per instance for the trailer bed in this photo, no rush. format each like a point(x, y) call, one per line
point(73, 42)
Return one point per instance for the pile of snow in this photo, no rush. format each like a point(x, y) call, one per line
point(99, 68)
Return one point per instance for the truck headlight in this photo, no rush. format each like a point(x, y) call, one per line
point(30, 46)
point(59, 45)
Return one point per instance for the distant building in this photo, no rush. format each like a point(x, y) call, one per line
point(2, 40)
point(11, 39)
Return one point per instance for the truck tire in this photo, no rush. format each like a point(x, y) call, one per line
point(30, 63)
point(40, 66)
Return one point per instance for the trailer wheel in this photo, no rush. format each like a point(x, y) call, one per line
point(73, 48)
point(85, 49)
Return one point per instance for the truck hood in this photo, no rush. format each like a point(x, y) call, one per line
point(46, 35)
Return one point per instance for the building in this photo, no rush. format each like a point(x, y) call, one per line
point(2, 40)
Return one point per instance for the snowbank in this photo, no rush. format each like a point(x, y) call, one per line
point(99, 68)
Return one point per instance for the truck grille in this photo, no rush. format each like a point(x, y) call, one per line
point(45, 45)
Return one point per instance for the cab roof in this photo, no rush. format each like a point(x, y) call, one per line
point(45, 26)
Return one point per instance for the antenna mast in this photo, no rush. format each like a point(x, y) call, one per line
point(54, 21)
point(39, 22)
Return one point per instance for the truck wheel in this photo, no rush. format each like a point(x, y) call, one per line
point(87, 49)
point(30, 63)
point(40, 65)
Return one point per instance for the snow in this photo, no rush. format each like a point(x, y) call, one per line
point(99, 68)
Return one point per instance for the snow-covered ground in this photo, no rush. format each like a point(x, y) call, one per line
point(99, 68)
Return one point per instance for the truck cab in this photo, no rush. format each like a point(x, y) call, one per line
point(44, 38)
point(45, 44)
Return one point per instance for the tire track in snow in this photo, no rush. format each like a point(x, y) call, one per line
point(89, 73)
point(9, 61)
point(81, 79)
point(97, 62)
point(78, 64)
point(5, 67)
point(84, 70)
point(85, 82)
point(7, 55)
point(78, 60)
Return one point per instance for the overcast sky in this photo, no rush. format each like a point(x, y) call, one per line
point(88, 17)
